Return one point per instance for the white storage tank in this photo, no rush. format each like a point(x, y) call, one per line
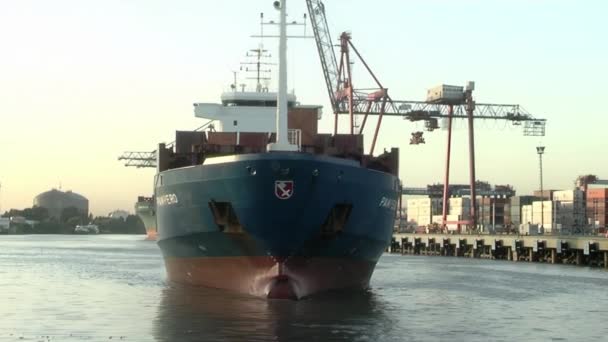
point(55, 201)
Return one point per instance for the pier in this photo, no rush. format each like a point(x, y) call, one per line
point(553, 249)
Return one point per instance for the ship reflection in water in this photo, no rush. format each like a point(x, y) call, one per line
point(200, 314)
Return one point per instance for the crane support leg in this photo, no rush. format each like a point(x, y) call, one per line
point(336, 123)
point(383, 107)
point(369, 107)
point(446, 181)
point(470, 108)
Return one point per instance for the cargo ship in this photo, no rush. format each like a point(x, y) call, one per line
point(146, 211)
point(266, 205)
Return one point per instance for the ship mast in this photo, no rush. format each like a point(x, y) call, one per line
point(282, 141)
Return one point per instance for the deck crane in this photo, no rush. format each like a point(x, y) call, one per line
point(346, 99)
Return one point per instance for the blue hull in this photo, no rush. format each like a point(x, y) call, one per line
point(274, 235)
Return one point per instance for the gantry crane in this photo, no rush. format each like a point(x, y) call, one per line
point(148, 159)
point(345, 99)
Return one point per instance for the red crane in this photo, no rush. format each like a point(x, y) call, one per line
point(346, 99)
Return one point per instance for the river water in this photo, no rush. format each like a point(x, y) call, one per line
point(110, 287)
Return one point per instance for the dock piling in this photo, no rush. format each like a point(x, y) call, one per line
point(564, 249)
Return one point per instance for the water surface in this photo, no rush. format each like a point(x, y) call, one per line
point(110, 287)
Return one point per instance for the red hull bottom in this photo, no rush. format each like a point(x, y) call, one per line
point(293, 278)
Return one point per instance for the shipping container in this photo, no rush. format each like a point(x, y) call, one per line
point(542, 205)
point(597, 193)
point(523, 200)
point(445, 94)
point(546, 194)
point(483, 201)
point(459, 202)
point(529, 229)
point(526, 214)
point(596, 203)
point(423, 220)
point(568, 195)
point(449, 218)
point(515, 214)
point(412, 202)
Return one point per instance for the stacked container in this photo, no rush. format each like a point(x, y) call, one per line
point(597, 202)
point(553, 216)
point(545, 194)
point(460, 206)
point(529, 229)
point(572, 209)
point(493, 210)
point(517, 202)
point(421, 210)
point(501, 207)
point(484, 209)
point(438, 219)
point(526, 214)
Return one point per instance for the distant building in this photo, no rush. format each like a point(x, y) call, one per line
point(119, 214)
point(55, 201)
point(599, 185)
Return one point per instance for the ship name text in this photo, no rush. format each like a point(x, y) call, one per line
point(167, 199)
point(388, 203)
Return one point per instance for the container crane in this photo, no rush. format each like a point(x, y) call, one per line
point(345, 99)
point(148, 159)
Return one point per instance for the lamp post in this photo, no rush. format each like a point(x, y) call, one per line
point(540, 150)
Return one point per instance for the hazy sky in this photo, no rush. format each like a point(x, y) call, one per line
point(82, 81)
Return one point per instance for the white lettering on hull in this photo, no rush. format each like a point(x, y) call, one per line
point(388, 203)
point(167, 199)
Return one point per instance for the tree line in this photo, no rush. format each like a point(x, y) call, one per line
point(68, 220)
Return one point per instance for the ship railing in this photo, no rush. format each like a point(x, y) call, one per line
point(295, 137)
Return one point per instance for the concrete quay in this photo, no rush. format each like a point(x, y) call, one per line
point(553, 249)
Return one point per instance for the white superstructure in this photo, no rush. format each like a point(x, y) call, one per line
point(243, 111)
point(259, 111)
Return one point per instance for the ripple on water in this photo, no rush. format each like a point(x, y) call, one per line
point(101, 288)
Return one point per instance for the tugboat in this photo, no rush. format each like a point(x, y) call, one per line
point(265, 205)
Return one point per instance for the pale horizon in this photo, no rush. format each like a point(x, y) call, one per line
point(83, 82)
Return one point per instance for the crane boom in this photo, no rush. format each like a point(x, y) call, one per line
point(376, 101)
point(327, 55)
point(140, 159)
point(346, 99)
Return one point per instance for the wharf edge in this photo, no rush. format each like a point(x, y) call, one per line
point(553, 249)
